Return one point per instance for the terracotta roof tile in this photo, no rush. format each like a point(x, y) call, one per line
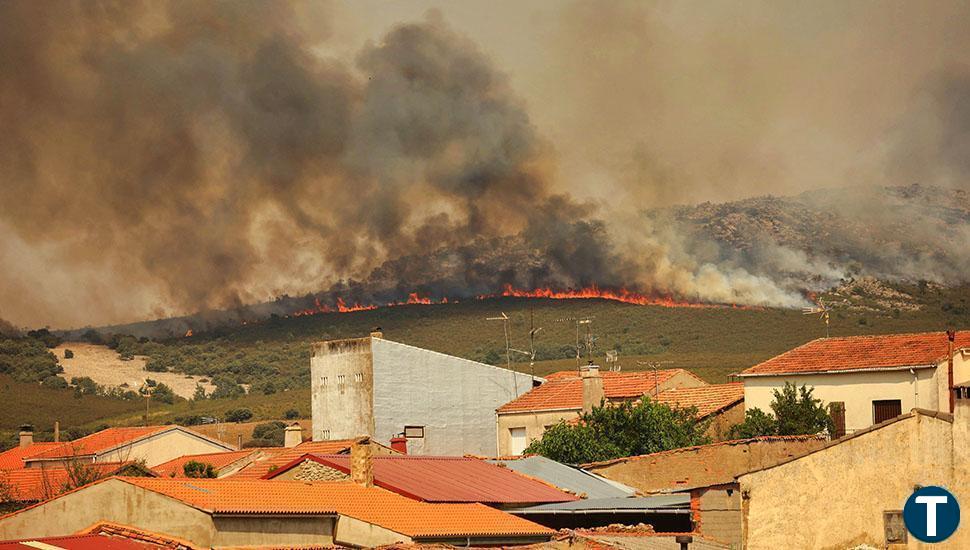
point(564, 390)
point(369, 504)
point(78, 542)
point(279, 456)
point(708, 399)
point(217, 460)
point(449, 479)
point(35, 484)
point(99, 441)
point(13, 459)
point(118, 530)
point(861, 353)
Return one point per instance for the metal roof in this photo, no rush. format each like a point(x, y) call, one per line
point(77, 542)
point(566, 477)
point(447, 479)
point(677, 503)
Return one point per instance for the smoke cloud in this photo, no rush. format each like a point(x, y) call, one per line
point(162, 158)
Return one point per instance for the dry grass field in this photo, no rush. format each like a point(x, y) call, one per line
point(102, 365)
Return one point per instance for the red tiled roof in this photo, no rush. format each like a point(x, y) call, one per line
point(217, 460)
point(35, 484)
point(564, 390)
point(78, 542)
point(861, 353)
point(100, 441)
point(279, 456)
point(369, 504)
point(708, 399)
point(448, 479)
point(118, 530)
point(13, 459)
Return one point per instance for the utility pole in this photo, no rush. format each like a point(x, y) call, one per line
point(656, 375)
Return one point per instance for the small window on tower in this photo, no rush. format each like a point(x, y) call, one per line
point(358, 377)
point(414, 432)
point(323, 381)
point(341, 378)
point(325, 434)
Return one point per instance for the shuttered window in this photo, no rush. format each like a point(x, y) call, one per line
point(886, 409)
point(517, 441)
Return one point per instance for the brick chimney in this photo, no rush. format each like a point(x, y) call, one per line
point(361, 463)
point(26, 436)
point(400, 444)
point(292, 435)
point(592, 387)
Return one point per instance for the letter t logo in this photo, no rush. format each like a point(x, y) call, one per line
point(931, 502)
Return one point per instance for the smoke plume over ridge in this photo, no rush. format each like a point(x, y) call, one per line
point(162, 158)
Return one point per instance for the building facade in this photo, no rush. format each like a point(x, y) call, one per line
point(442, 404)
point(866, 379)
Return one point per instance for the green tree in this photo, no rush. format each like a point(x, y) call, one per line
point(199, 394)
point(68, 354)
point(625, 429)
point(291, 414)
point(197, 469)
point(796, 412)
point(238, 415)
point(163, 394)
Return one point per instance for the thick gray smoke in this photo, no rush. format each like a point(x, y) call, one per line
point(162, 158)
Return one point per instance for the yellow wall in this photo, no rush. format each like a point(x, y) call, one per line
point(857, 390)
point(835, 498)
point(354, 532)
point(163, 447)
point(535, 422)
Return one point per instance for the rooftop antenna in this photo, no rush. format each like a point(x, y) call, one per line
point(823, 313)
point(613, 360)
point(656, 375)
point(508, 349)
point(579, 321)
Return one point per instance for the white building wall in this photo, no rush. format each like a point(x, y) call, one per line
point(857, 390)
point(453, 398)
point(341, 389)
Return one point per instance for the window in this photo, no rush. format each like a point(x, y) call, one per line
point(324, 381)
point(886, 409)
point(358, 377)
point(414, 432)
point(325, 434)
point(517, 441)
point(341, 379)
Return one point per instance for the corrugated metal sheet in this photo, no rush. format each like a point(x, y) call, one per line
point(672, 503)
point(567, 478)
point(452, 479)
point(77, 542)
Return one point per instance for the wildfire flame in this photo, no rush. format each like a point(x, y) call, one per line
point(592, 292)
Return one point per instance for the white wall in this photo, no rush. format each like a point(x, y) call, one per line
point(857, 390)
point(453, 398)
point(161, 448)
point(341, 389)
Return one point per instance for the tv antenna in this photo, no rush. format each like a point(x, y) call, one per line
point(613, 360)
point(508, 349)
point(587, 321)
point(823, 313)
point(656, 374)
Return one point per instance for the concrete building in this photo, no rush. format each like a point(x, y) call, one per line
point(707, 474)
point(567, 394)
point(869, 378)
point(443, 405)
point(851, 492)
point(223, 513)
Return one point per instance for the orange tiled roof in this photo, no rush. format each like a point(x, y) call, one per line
point(217, 460)
point(861, 353)
point(708, 399)
point(13, 459)
point(564, 390)
point(99, 441)
point(280, 456)
point(34, 484)
point(369, 504)
point(118, 530)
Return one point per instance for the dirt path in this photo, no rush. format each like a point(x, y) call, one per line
point(102, 365)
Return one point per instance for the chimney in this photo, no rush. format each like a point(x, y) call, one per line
point(57, 431)
point(400, 444)
point(592, 387)
point(376, 332)
point(361, 463)
point(26, 436)
point(292, 435)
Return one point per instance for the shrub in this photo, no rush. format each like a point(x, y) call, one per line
point(197, 469)
point(291, 414)
point(238, 415)
point(796, 412)
point(68, 354)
